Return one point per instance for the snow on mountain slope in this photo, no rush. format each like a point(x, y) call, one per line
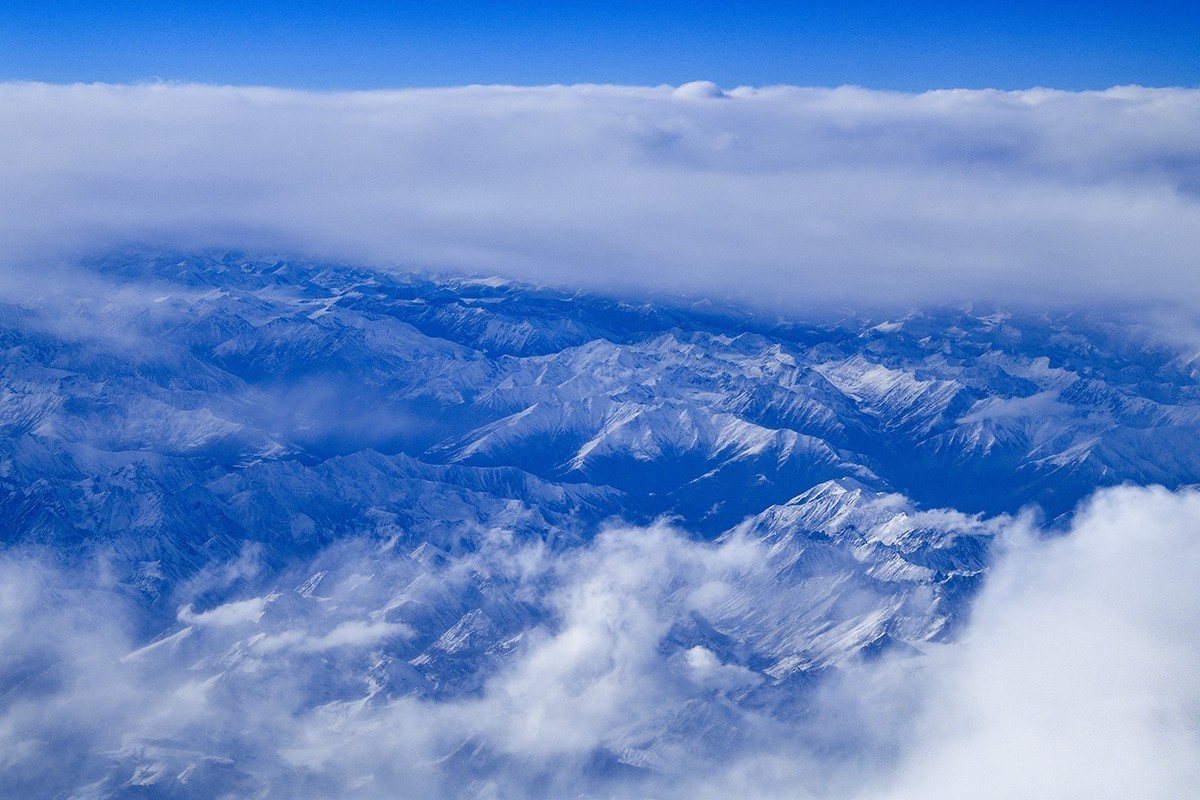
point(364, 494)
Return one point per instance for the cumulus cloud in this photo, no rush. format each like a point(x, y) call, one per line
point(1076, 677)
point(806, 196)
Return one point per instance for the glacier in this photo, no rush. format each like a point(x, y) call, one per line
point(280, 528)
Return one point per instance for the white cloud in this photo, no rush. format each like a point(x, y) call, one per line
point(1075, 678)
point(600, 679)
point(1078, 677)
point(700, 90)
point(802, 195)
point(1039, 406)
point(239, 612)
point(351, 634)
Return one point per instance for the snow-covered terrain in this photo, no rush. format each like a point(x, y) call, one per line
point(280, 529)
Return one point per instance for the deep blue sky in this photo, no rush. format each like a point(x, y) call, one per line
point(886, 45)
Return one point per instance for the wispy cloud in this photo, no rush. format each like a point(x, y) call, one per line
point(805, 195)
point(1075, 677)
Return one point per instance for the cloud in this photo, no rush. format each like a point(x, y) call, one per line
point(1042, 405)
point(801, 196)
point(1076, 677)
point(239, 612)
point(700, 90)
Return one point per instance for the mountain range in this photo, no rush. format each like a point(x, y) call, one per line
point(405, 489)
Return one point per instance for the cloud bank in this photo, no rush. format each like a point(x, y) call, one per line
point(805, 196)
point(1076, 678)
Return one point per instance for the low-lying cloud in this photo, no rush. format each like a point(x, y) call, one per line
point(1076, 677)
point(805, 196)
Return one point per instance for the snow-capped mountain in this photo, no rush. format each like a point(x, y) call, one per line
point(403, 491)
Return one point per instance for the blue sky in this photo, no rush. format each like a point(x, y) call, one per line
point(361, 45)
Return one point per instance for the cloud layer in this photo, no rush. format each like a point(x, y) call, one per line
point(1075, 678)
point(1078, 678)
point(804, 195)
